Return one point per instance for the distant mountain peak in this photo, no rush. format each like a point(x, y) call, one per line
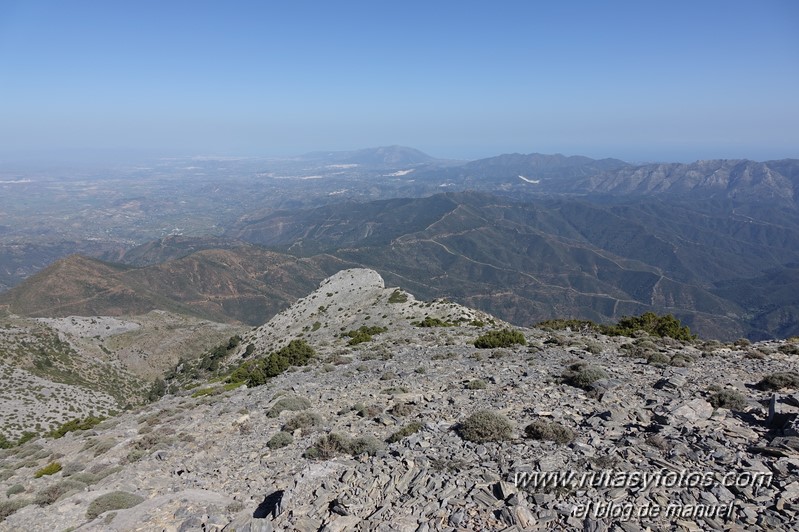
point(394, 155)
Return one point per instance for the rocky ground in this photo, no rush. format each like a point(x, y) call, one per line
point(146, 345)
point(55, 370)
point(309, 451)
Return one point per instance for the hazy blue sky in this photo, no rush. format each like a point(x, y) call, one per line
point(639, 80)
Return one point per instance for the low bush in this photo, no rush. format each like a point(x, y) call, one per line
point(651, 323)
point(476, 384)
point(363, 334)
point(581, 375)
point(50, 469)
point(74, 425)
point(12, 505)
point(53, 492)
point(335, 444)
point(401, 409)
point(26, 437)
point(398, 296)
point(304, 421)
point(542, 429)
point(658, 359)
point(72, 468)
point(681, 360)
point(730, 399)
point(281, 439)
point(367, 411)
point(365, 445)
point(86, 478)
point(484, 426)
point(789, 349)
point(568, 324)
point(291, 402)
point(116, 500)
point(779, 380)
point(394, 390)
point(433, 322)
point(328, 446)
point(503, 338)
point(404, 432)
point(257, 372)
point(14, 490)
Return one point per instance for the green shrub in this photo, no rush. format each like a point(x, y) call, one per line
point(664, 326)
point(50, 469)
point(779, 380)
point(582, 375)
point(297, 353)
point(681, 360)
point(281, 439)
point(74, 425)
point(5, 443)
point(116, 500)
point(205, 392)
point(404, 432)
point(157, 390)
point(398, 296)
point(257, 372)
point(542, 429)
point(291, 402)
point(26, 437)
point(363, 334)
point(730, 399)
point(658, 359)
point(433, 322)
point(476, 384)
point(484, 426)
point(503, 338)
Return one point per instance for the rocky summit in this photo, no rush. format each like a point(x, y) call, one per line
point(411, 415)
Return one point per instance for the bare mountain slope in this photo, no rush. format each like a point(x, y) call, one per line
point(247, 285)
point(530, 261)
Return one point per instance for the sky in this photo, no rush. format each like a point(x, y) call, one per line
point(639, 80)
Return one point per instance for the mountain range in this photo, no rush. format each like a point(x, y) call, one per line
point(524, 262)
point(526, 237)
